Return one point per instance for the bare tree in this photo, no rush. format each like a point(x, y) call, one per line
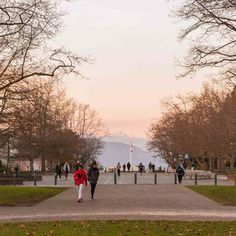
point(211, 25)
point(26, 27)
point(201, 125)
point(90, 130)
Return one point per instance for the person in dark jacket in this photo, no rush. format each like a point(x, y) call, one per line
point(16, 169)
point(93, 175)
point(180, 172)
point(118, 167)
point(140, 167)
point(124, 167)
point(58, 170)
point(153, 168)
point(128, 166)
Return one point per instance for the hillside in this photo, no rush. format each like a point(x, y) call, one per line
point(115, 152)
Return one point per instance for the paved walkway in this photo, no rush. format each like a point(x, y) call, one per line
point(169, 202)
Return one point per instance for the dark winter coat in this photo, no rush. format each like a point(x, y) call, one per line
point(93, 175)
point(180, 171)
point(58, 169)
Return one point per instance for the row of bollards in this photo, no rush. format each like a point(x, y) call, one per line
point(175, 179)
point(135, 178)
point(196, 179)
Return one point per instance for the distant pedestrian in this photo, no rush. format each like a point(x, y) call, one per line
point(124, 167)
point(80, 178)
point(153, 168)
point(128, 166)
point(77, 165)
point(150, 166)
point(58, 170)
point(168, 169)
point(93, 175)
point(140, 167)
point(185, 164)
point(180, 172)
point(193, 165)
point(118, 167)
point(16, 169)
point(66, 169)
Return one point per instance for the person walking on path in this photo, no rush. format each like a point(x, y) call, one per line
point(118, 167)
point(140, 168)
point(16, 169)
point(58, 170)
point(93, 175)
point(66, 169)
point(128, 166)
point(153, 168)
point(124, 167)
point(80, 178)
point(180, 172)
point(150, 166)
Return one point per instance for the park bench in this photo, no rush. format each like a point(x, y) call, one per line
point(26, 176)
point(10, 181)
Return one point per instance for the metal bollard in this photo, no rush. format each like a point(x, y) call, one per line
point(155, 178)
point(135, 178)
point(35, 183)
point(14, 179)
point(195, 179)
point(55, 179)
point(215, 179)
point(115, 182)
point(175, 175)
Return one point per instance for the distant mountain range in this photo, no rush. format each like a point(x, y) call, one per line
point(116, 149)
point(123, 138)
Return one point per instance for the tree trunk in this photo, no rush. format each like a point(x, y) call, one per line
point(210, 163)
point(32, 165)
point(42, 164)
point(232, 161)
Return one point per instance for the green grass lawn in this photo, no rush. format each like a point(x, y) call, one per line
point(225, 195)
point(26, 196)
point(119, 228)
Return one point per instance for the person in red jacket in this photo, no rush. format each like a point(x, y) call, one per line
point(80, 178)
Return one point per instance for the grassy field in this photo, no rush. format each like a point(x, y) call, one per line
point(119, 228)
point(225, 195)
point(26, 196)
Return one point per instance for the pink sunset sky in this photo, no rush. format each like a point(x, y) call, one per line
point(135, 46)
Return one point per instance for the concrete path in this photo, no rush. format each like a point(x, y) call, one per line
point(169, 202)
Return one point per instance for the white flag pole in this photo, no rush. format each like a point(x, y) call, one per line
point(130, 147)
point(130, 152)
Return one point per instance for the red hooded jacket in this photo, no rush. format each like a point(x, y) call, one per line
point(80, 177)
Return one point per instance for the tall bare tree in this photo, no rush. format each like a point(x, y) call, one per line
point(90, 130)
point(26, 28)
point(211, 26)
point(202, 125)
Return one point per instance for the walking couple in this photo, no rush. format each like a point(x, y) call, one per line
point(81, 177)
